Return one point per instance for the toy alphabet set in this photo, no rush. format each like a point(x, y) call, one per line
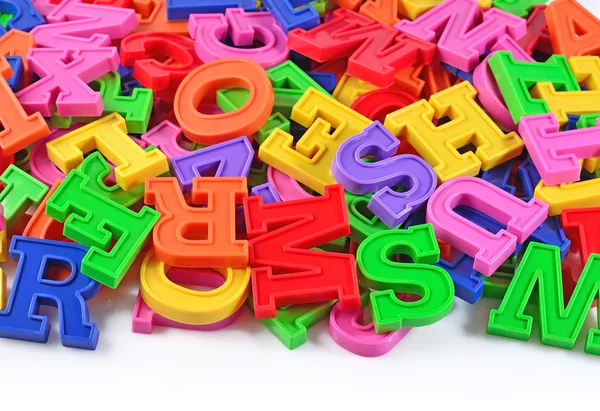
point(361, 162)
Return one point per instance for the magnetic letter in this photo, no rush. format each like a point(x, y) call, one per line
point(452, 25)
point(94, 221)
point(360, 177)
point(64, 77)
point(74, 25)
point(380, 273)
point(376, 52)
point(231, 158)
point(198, 236)
point(31, 289)
point(18, 129)
point(209, 31)
point(469, 123)
point(559, 325)
point(284, 268)
point(109, 135)
point(488, 250)
point(20, 192)
point(310, 161)
point(212, 129)
point(556, 154)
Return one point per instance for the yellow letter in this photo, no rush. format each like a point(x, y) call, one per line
point(109, 136)
point(574, 195)
point(187, 306)
point(439, 145)
point(310, 162)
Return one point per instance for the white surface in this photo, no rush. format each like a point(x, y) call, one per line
point(453, 362)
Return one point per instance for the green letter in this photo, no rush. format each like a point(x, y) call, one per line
point(559, 326)
point(379, 272)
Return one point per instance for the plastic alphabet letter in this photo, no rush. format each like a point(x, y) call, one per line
point(291, 324)
point(141, 51)
point(20, 192)
point(93, 220)
point(573, 29)
point(363, 222)
point(289, 18)
point(64, 77)
point(144, 318)
point(515, 78)
point(109, 135)
point(378, 272)
point(556, 154)
point(181, 9)
point(212, 129)
point(166, 137)
point(359, 339)
point(209, 31)
point(488, 250)
point(487, 87)
point(519, 8)
point(537, 37)
point(285, 268)
point(583, 194)
point(439, 145)
point(198, 236)
point(560, 325)
point(97, 169)
point(18, 43)
point(189, 306)
point(383, 11)
point(452, 25)
point(375, 51)
point(415, 8)
point(268, 193)
point(43, 226)
point(231, 158)
point(31, 290)
point(360, 177)
point(581, 225)
point(583, 103)
point(136, 108)
point(74, 25)
point(24, 16)
point(18, 129)
point(468, 283)
point(310, 161)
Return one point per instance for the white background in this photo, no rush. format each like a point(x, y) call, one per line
point(452, 362)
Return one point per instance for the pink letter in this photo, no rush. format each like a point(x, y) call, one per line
point(488, 250)
point(75, 25)
point(209, 29)
point(361, 339)
point(286, 187)
point(487, 87)
point(64, 77)
point(556, 154)
point(165, 137)
point(460, 44)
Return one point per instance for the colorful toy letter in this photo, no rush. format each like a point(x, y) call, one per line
point(360, 177)
point(560, 325)
point(377, 271)
point(469, 123)
point(284, 268)
point(94, 221)
point(488, 250)
point(109, 134)
point(198, 236)
point(452, 26)
point(31, 289)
